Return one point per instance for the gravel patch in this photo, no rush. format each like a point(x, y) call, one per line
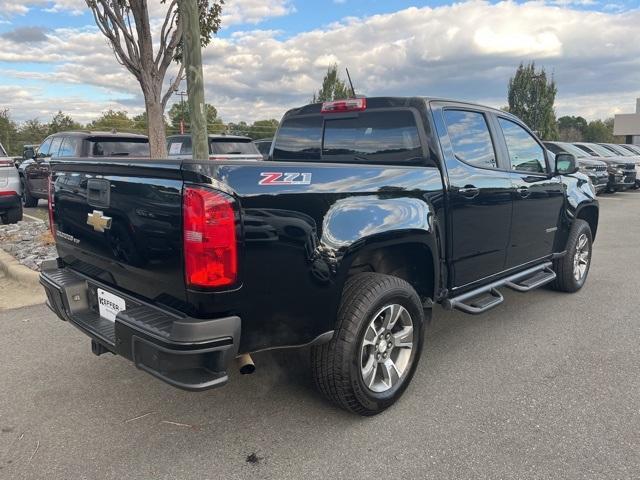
point(30, 243)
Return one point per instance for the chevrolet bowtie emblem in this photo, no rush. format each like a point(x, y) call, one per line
point(98, 221)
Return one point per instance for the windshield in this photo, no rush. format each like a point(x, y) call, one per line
point(620, 151)
point(236, 147)
point(116, 147)
point(573, 150)
point(603, 152)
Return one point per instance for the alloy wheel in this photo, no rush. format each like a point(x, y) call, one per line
point(385, 355)
point(581, 258)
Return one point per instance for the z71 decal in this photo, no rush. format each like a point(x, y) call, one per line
point(285, 178)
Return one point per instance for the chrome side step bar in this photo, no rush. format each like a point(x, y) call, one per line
point(487, 297)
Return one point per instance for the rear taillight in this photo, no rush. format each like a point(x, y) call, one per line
point(349, 105)
point(7, 163)
point(210, 249)
point(8, 193)
point(50, 198)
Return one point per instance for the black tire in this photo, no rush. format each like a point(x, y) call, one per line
point(14, 215)
point(566, 280)
point(27, 199)
point(337, 365)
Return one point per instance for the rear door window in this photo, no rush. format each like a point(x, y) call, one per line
point(180, 146)
point(115, 147)
point(232, 147)
point(70, 147)
point(470, 138)
point(373, 137)
point(299, 138)
point(525, 153)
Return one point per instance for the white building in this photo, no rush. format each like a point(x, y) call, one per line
point(628, 125)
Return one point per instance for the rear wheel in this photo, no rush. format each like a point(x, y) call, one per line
point(573, 268)
point(14, 215)
point(376, 347)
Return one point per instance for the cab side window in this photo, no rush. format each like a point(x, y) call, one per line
point(470, 138)
point(525, 153)
point(55, 146)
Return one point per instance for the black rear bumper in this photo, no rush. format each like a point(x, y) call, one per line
point(188, 353)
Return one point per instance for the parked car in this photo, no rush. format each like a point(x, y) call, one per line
point(10, 205)
point(221, 147)
point(629, 154)
point(264, 146)
point(596, 170)
point(631, 147)
point(622, 171)
point(371, 211)
point(34, 171)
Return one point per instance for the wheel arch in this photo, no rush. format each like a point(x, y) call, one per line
point(409, 255)
point(590, 213)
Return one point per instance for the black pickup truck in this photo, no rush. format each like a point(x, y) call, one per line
point(367, 212)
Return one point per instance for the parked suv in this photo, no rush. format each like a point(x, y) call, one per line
point(10, 206)
point(596, 170)
point(221, 147)
point(630, 154)
point(622, 171)
point(34, 171)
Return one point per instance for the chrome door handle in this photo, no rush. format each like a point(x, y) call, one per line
point(469, 191)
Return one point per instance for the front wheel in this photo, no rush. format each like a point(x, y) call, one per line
point(376, 347)
point(573, 268)
point(28, 200)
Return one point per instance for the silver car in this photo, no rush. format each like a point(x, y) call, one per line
point(10, 204)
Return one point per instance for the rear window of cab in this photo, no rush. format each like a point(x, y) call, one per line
point(379, 137)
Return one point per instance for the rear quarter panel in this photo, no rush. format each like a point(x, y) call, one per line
point(299, 239)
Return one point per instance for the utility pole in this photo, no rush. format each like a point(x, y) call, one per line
point(192, 58)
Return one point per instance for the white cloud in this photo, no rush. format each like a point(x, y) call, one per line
point(237, 12)
point(466, 50)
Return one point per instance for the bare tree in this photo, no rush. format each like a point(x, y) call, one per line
point(126, 25)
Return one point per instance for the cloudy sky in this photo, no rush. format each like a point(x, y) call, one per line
point(271, 54)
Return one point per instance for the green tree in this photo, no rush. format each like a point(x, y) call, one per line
point(532, 97)
point(113, 120)
point(180, 110)
point(263, 129)
point(333, 88)
point(140, 122)
point(32, 132)
point(127, 27)
point(240, 128)
point(599, 131)
point(62, 123)
point(571, 129)
point(9, 133)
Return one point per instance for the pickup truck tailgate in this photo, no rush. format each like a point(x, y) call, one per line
point(120, 222)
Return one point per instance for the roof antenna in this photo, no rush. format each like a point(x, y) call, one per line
point(353, 92)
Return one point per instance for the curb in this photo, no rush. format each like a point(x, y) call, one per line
point(21, 274)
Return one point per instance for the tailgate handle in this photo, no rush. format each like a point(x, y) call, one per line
point(98, 192)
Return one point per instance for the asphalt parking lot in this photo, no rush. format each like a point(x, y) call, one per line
point(545, 386)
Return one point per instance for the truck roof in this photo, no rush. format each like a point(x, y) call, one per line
point(392, 102)
point(231, 138)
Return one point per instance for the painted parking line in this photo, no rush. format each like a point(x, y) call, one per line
point(32, 218)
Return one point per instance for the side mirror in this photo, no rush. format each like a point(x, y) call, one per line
point(29, 153)
point(566, 164)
